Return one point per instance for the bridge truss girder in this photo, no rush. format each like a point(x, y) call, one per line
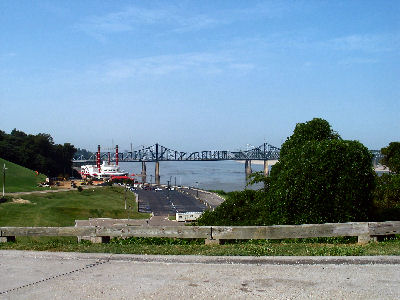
point(158, 152)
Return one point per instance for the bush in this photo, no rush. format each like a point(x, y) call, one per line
point(321, 181)
point(387, 193)
point(80, 189)
point(239, 208)
point(387, 198)
point(319, 178)
point(391, 157)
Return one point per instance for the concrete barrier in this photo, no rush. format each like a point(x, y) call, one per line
point(365, 231)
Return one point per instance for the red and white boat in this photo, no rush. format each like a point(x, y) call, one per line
point(106, 170)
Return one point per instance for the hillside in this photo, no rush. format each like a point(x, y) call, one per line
point(63, 208)
point(19, 179)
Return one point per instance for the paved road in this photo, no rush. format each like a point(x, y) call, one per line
point(163, 203)
point(45, 275)
point(212, 199)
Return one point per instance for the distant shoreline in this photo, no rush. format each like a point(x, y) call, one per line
point(378, 168)
point(259, 162)
point(381, 168)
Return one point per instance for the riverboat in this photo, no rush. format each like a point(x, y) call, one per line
point(106, 171)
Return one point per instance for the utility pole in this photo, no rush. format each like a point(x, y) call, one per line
point(125, 196)
point(4, 177)
point(168, 192)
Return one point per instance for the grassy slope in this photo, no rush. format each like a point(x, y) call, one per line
point(19, 179)
point(63, 208)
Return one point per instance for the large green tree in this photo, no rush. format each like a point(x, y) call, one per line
point(315, 130)
point(319, 178)
point(37, 152)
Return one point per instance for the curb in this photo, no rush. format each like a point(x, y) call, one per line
point(195, 259)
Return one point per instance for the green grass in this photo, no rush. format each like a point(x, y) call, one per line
point(63, 208)
point(196, 247)
point(19, 179)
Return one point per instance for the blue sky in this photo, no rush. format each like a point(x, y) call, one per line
point(199, 75)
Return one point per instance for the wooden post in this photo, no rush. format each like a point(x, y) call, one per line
point(212, 241)
point(95, 239)
point(5, 239)
point(366, 238)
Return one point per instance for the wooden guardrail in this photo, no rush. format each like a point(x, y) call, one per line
point(365, 231)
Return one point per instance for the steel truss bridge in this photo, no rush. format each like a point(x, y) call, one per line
point(158, 152)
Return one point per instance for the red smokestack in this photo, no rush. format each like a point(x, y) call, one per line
point(116, 154)
point(98, 158)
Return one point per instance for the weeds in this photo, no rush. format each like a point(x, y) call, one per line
point(171, 246)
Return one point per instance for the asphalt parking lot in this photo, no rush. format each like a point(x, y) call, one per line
point(167, 202)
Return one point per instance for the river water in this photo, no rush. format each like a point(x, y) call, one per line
point(208, 175)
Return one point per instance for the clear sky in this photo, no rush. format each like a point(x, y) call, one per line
point(199, 75)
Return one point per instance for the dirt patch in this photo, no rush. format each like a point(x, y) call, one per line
point(21, 201)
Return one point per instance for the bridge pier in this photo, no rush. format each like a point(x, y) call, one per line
point(247, 167)
point(143, 172)
point(266, 170)
point(157, 173)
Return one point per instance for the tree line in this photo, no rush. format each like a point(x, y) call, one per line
point(320, 178)
point(37, 152)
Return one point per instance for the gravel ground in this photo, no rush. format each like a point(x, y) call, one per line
point(45, 275)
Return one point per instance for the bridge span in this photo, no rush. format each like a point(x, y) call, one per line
point(266, 152)
point(157, 153)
